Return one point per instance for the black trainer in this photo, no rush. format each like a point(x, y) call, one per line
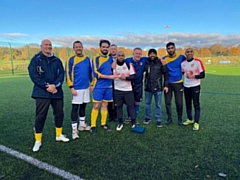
point(106, 127)
point(180, 122)
point(146, 121)
point(93, 130)
point(159, 124)
point(169, 121)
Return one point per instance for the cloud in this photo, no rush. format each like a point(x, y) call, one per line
point(13, 36)
point(149, 40)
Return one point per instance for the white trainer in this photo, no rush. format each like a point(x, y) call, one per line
point(62, 138)
point(119, 127)
point(37, 146)
point(85, 127)
point(75, 135)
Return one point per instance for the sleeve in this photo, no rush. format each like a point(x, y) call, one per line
point(90, 72)
point(34, 75)
point(165, 75)
point(60, 76)
point(68, 68)
point(96, 74)
point(132, 69)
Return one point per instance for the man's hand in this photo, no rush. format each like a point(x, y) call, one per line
point(163, 62)
point(190, 76)
point(114, 65)
point(165, 89)
point(113, 76)
point(91, 88)
point(122, 77)
point(51, 87)
point(55, 91)
point(74, 92)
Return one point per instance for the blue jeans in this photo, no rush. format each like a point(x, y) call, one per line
point(148, 104)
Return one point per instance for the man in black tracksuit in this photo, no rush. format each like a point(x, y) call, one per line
point(153, 85)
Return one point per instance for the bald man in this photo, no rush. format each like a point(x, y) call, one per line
point(47, 73)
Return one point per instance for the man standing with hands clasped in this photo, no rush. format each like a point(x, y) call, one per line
point(194, 70)
point(47, 73)
point(154, 70)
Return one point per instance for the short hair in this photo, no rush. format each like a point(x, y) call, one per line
point(114, 45)
point(120, 52)
point(137, 48)
point(104, 41)
point(77, 42)
point(170, 44)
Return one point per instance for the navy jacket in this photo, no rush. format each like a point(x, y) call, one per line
point(45, 70)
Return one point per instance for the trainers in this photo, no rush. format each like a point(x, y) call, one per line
point(134, 125)
point(159, 124)
point(106, 127)
point(196, 126)
point(180, 123)
point(137, 122)
point(169, 121)
point(62, 138)
point(93, 130)
point(119, 127)
point(187, 122)
point(37, 146)
point(127, 120)
point(75, 135)
point(146, 121)
point(84, 127)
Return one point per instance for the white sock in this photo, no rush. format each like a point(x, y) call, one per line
point(82, 121)
point(74, 126)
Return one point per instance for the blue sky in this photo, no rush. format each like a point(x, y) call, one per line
point(127, 22)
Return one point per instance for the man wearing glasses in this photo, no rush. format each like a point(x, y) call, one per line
point(173, 61)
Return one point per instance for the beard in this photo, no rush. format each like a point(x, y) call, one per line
point(104, 53)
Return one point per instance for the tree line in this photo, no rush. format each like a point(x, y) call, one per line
point(28, 51)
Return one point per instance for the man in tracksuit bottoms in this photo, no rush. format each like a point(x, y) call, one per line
point(154, 70)
point(47, 73)
point(175, 83)
point(193, 70)
point(123, 91)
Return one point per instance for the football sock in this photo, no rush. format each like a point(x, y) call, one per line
point(103, 117)
point(94, 116)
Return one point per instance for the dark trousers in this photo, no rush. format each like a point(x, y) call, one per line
point(78, 110)
point(112, 108)
point(192, 94)
point(177, 88)
point(42, 106)
point(124, 97)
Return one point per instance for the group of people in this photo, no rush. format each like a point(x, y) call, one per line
point(114, 80)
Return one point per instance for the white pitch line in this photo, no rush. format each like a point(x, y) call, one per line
point(40, 164)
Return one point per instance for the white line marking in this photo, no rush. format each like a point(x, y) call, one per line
point(40, 164)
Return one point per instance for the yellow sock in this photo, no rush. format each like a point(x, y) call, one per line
point(104, 117)
point(94, 116)
point(58, 131)
point(38, 137)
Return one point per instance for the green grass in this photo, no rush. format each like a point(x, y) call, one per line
point(171, 152)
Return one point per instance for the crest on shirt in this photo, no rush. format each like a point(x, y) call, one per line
point(192, 65)
point(141, 63)
point(124, 68)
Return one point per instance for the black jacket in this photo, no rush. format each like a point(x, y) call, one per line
point(153, 78)
point(45, 70)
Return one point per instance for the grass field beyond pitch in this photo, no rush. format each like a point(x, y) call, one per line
point(171, 152)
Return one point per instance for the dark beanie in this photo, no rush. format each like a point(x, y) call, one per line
point(152, 51)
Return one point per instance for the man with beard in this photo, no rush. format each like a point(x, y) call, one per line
point(112, 109)
point(138, 63)
point(173, 61)
point(154, 70)
point(102, 86)
point(194, 70)
point(79, 77)
point(123, 89)
point(47, 73)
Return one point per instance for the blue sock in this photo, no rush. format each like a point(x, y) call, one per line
point(136, 107)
